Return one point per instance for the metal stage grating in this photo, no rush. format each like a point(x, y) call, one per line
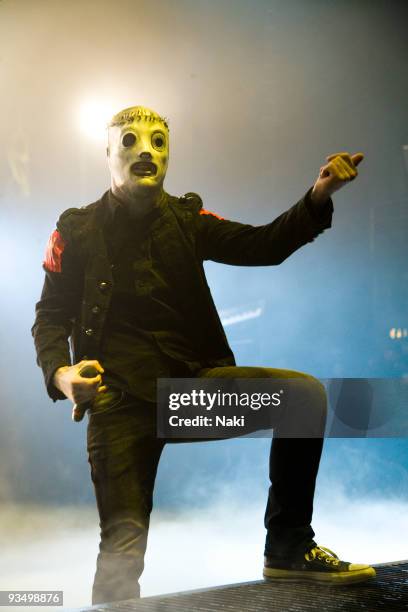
point(387, 592)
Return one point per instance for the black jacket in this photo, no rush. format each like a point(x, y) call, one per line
point(75, 300)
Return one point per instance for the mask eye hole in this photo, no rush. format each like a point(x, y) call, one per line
point(159, 141)
point(128, 139)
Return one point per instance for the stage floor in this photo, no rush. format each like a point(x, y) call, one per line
point(387, 592)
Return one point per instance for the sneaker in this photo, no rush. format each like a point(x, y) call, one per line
point(319, 564)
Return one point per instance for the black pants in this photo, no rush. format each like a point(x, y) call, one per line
point(124, 452)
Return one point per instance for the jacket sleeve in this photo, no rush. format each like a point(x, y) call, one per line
point(241, 244)
point(57, 308)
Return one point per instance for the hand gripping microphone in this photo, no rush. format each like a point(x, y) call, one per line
point(79, 410)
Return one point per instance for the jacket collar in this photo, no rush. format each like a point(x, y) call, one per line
point(104, 210)
point(115, 207)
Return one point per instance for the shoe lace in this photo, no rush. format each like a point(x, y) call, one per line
point(323, 554)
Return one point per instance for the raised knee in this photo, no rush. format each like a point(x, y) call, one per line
point(314, 391)
point(317, 386)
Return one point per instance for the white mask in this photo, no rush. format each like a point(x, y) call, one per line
point(138, 153)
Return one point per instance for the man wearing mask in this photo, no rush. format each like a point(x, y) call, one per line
point(125, 281)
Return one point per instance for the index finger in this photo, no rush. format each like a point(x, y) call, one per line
point(357, 158)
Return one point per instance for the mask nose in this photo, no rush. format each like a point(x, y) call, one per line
point(145, 155)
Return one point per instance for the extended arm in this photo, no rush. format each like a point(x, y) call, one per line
point(242, 244)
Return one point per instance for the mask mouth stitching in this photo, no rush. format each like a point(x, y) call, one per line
point(139, 168)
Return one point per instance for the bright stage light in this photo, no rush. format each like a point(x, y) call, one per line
point(396, 333)
point(94, 116)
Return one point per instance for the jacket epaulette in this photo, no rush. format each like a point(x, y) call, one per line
point(73, 211)
point(192, 199)
point(69, 215)
point(72, 219)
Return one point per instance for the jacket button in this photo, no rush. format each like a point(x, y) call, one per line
point(89, 332)
point(103, 285)
point(96, 309)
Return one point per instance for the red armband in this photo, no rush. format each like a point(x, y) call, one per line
point(53, 252)
point(208, 212)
